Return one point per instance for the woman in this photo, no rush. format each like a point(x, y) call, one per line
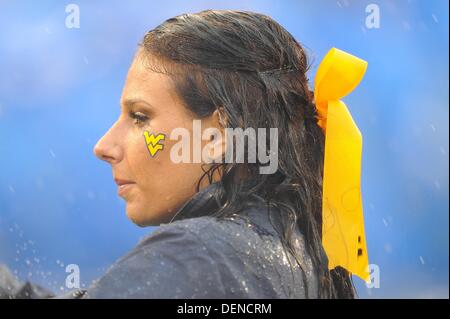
point(226, 230)
point(238, 233)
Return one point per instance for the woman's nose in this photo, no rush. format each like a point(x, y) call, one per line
point(107, 150)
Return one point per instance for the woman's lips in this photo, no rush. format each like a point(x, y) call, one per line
point(123, 189)
point(123, 186)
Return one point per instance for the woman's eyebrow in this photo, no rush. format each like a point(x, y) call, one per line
point(128, 103)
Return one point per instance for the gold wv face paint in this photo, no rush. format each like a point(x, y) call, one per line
point(153, 142)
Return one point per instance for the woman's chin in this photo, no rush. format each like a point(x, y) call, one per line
point(142, 217)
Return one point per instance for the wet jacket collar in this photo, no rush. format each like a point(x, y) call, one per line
point(202, 203)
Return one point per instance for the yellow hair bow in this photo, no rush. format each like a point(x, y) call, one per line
point(343, 234)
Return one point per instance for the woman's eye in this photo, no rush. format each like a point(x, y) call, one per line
point(138, 117)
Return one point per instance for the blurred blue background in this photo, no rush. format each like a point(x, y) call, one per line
point(60, 90)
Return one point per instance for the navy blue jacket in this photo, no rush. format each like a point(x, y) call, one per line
point(200, 256)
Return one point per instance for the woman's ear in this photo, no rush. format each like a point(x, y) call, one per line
point(219, 115)
point(215, 136)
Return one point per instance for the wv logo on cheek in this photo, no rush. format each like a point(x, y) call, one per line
point(153, 142)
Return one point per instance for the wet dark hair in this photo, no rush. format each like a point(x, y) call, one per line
point(253, 71)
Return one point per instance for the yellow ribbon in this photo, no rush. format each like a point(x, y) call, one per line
point(343, 234)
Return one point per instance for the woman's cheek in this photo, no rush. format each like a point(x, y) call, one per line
point(152, 150)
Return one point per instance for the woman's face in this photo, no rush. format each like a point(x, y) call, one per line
point(154, 187)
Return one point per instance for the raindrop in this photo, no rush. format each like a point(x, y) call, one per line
point(433, 128)
point(437, 185)
point(435, 18)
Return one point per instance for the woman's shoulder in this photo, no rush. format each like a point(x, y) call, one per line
point(238, 235)
point(201, 257)
point(221, 243)
point(183, 259)
point(210, 229)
